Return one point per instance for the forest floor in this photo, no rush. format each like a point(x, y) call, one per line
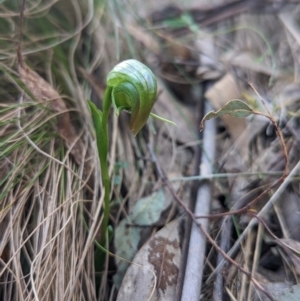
point(194, 215)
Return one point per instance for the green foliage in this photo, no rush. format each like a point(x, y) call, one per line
point(235, 108)
point(130, 86)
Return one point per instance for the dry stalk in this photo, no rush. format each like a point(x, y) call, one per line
point(165, 180)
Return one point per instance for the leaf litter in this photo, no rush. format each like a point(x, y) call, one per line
point(48, 206)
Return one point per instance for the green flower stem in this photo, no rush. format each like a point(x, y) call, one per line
point(102, 145)
point(100, 122)
point(130, 86)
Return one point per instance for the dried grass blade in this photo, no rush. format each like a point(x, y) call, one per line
point(44, 92)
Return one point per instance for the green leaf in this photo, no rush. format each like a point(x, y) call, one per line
point(174, 23)
point(162, 119)
point(235, 108)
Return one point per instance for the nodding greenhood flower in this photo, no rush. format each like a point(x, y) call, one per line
point(130, 86)
point(133, 88)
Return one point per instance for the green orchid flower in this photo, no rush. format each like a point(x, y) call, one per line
point(134, 88)
point(131, 86)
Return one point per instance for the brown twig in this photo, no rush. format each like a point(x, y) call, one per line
point(245, 208)
point(165, 180)
point(280, 180)
point(278, 240)
point(277, 129)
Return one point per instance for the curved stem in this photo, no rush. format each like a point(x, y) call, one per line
point(102, 144)
point(130, 85)
point(100, 120)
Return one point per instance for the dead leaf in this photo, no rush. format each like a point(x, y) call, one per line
point(247, 60)
point(292, 248)
point(145, 213)
point(276, 290)
point(210, 67)
point(290, 213)
point(160, 257)
point(289, 294)
point(44, 92)
point(167, 107)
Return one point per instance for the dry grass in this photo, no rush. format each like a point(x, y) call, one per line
point(50, 214)
point(50, 182)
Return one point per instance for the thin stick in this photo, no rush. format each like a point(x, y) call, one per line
point(253, 222)
point(261, 99)
point(165, 180)
point(248, 206)
point(278, 131)
point(279, 181)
